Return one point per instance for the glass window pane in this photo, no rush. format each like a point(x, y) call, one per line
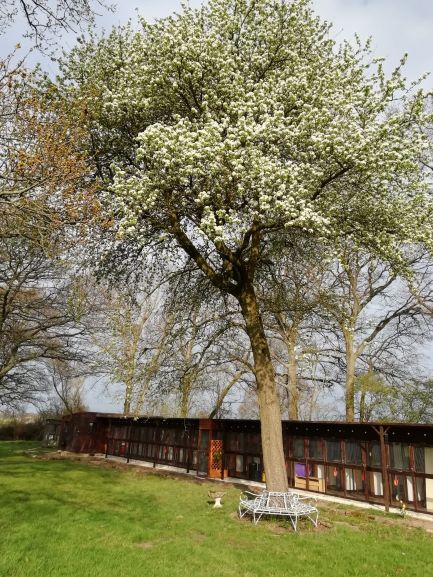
point(399, 455)
point(419, 455)
point(298, 447)
point(375, 484)
point(333, 478)
point(239, 463)
point(353, 453)
point(316, 449)
point(421, 491)
point(373, 455)
point(333, 450)
point(354, 479)
point(204, 439)
point(300, 470)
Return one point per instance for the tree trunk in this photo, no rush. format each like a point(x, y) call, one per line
point(127, 405)
point(350, 378)
point(362, 415)
point(184, 400)
point(292, 384)
point(269, 406)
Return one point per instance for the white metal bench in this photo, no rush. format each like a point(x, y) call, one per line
point(289, 504)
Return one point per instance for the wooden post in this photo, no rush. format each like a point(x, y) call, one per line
point(412, 467)
point(383, 457)
point(156, 449)
point(223, 455)
point(365, 472)
point(342, 471)
point(128, 453)
point(198, 451)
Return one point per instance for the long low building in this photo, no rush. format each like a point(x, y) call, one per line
point(383, 463)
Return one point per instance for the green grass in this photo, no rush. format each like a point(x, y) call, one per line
point(63, 518)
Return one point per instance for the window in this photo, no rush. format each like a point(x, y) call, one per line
point(333, 450)
point(353, 453)
point(354, 480)
point(253, 442)
point(204, 439)
point(239, 464)
point(333, 478)
point(300, 470)
point(373, 455)
point(375, 484)
point(298, 447)
point(399, 456)
point(316, 449)
point(234, 441)
point(419, 455)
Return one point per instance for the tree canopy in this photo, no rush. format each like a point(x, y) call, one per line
point(247, 116)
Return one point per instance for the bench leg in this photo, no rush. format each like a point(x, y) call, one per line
point(257, 519)
point(314, 520)
point(243, 511)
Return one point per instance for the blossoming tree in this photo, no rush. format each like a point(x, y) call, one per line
point(222, 128)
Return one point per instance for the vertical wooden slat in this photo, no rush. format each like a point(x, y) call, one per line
point(384, 460)
point(412, 469)
point(343, 467)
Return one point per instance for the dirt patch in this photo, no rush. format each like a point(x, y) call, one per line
point(283, 526)
point(145, 545)
point(278, 529)
point(199, 537)
point(346, 524)
point(339, 515)
point(416, 524)
point(356, 513)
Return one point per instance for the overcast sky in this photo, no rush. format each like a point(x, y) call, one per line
point(396, 26)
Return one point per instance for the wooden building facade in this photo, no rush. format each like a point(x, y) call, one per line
point(388, 464)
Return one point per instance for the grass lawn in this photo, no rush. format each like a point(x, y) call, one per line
point(66, 518)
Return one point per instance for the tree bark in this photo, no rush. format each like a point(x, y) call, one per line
point(269, 406)
point(362, 414)
point(350, 378)
point(185, 395)
point(127, 405)
point(292, 384)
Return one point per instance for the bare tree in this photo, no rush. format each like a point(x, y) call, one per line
point(38, 320)
point(130, 340)
point(46, 19)
point(376, 314)
point(203, 359)
point(67, 381)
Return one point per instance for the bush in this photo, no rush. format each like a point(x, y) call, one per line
point(21, 431)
